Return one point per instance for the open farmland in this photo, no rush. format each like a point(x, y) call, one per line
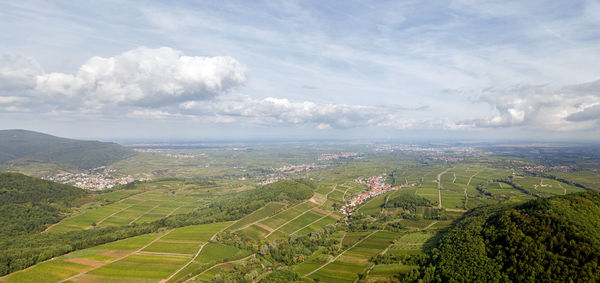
point(353, 260)
point(148, 257)
point(147, 202)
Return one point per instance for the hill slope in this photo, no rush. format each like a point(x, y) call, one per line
point(27, 204)
point(555, 239)
point(27, 145)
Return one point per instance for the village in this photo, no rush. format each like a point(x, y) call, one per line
point(333, 156)
point(94, 179)
point(376, 185)
point(282, 172)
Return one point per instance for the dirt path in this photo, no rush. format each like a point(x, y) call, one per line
point(564, 190)
point(439, 181)
point(212, 238)
point(297, 216)
point(71, 216)
point(113, 214)
point(148, 211)
point(467, 195)
point(469, 182)
point(217, 265)
point(51, 226)
point(455, 209)
point(311, 223)
point(167, 254)
point(342, 240)
point(172, 211)
point(344, 196)
point(327, 194)
point(429, 226)
point(264, 226)
point(117, 259)
point(336, 257)
point(265, 218)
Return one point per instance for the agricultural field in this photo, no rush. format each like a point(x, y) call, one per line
point(354, 259)
point(149, 257)
point(309, 236)
point(147, 202)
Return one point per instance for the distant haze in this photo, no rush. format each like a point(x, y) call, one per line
point(302, 70)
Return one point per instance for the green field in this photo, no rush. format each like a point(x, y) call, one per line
point(308, 236)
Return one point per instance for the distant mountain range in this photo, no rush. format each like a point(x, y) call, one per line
point(19, 146)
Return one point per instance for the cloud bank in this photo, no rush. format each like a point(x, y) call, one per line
point(163, 83)
point(543, 107)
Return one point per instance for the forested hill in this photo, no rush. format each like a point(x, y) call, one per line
point(27, 204)
point(28, 145)
point(545, 240)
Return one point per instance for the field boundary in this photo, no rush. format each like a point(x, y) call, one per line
point(337, 256)
point(119, 258)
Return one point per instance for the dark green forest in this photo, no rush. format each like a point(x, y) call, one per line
point(28, 204)
point(555, 239)
point(32, 146)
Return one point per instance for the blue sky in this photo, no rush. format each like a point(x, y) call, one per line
point(302, 69)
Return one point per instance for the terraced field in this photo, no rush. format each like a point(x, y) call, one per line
point(147, 203)
point(146, 258)
point(273, 222)
point(353, 260)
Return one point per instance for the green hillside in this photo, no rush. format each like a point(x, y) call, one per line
point(555, 239)
point(26, 146)
point(27, 204)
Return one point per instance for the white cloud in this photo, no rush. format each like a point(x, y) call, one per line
point(144, 77)
point(241, 108)
point(543, 107)
point(18, 73)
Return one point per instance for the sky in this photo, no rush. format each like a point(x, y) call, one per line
point(300, 70)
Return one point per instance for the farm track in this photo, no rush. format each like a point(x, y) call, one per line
point(564, 190)
point(429, 226)
point(344, 196)
point(71, 216)
point(265, 218)
point(113, 214)
point(173, 211)
point(212, 238)
point(219, 264)
point(148, 211)
point(297, 216)
point(311, 223)
point(467, 195)
point(167, 254)
point(117, 259)
point(336, 257)
point(439, 181)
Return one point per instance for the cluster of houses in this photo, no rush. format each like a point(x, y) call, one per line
point(376, 186)
point(542, 168)
point(281, 173)
point(295, 168)
point(333, 156)
point(92, 180)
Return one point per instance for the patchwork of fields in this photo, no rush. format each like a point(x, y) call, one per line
point(199, 253)
point(275, 221)
point(146, 258)
point(146, 203)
